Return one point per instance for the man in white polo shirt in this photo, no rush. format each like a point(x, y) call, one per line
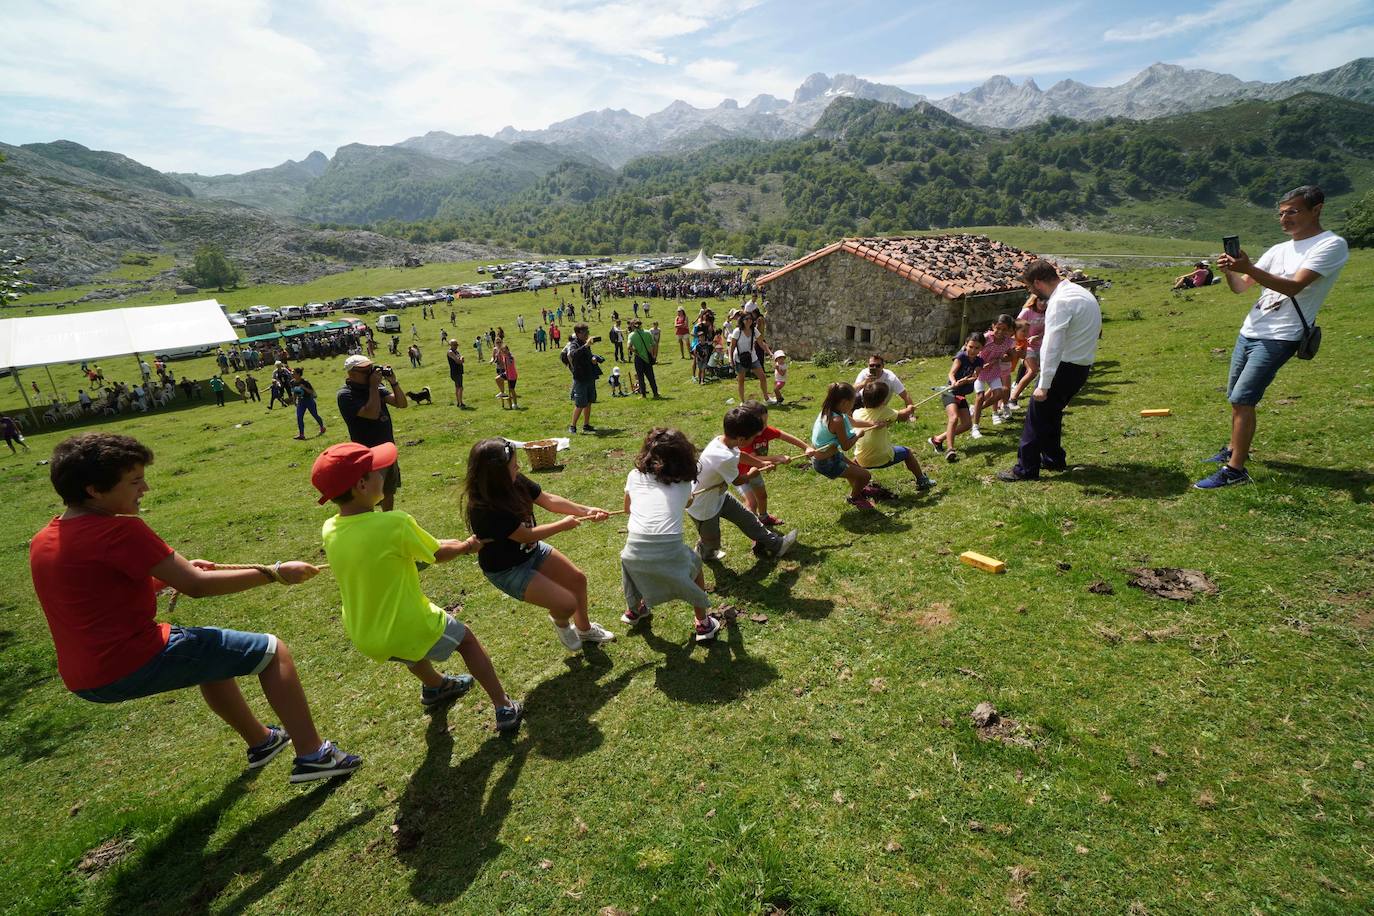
point(1073, 322)
point(1294, 274)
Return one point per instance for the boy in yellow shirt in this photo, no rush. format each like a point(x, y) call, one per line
point(875, 449)
point(373, 557)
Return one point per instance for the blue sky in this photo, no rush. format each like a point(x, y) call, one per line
point(228, 85)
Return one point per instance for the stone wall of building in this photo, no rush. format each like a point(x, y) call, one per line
point(854, 307)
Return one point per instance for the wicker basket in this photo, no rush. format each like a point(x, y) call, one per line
point(543, 453)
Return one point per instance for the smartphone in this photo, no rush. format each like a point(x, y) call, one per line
point(1231, 245)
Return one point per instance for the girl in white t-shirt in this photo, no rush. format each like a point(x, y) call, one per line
point(657, 565)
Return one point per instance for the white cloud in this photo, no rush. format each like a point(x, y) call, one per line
point(1022, 49)
point(1299, 36)
point(1190, 24)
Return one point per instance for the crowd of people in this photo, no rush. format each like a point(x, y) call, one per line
point(97, 568)
point(673, 285)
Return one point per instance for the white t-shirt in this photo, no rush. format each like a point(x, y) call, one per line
point(1273, 317)
point(655, 508)
point(751, 306)
point(717, 467)
point(894, 384)
point(744, 343)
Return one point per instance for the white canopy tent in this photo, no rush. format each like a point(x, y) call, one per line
point(701, 262)
point(152, 329)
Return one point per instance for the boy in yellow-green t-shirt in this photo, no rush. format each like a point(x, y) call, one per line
point(385, 613)
point(875, 450)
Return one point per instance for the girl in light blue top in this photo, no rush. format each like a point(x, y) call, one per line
point(835, 431)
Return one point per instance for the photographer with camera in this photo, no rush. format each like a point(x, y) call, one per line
point(1296, 276)
point(585, 368)
point(363, 401)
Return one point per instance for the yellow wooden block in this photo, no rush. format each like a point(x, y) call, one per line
point(987, 564)
point(1161, 412)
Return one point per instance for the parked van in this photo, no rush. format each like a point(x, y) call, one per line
point(389, 324)
point(292, 313)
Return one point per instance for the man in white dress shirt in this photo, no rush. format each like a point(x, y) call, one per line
point(1068, 348)
point(1301, 270)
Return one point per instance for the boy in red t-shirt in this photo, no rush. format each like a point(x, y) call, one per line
point(750, 480)
point(97, 569)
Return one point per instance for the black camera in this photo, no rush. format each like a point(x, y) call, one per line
point(593, 340)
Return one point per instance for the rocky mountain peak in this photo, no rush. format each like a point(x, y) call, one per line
point(813, 87)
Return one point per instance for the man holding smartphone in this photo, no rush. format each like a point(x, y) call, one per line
point(363, 401)
point(1294, 274)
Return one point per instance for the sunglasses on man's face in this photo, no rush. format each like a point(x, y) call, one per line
point(875, 369)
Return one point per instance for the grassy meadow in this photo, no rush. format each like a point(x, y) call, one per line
point(1172, 757)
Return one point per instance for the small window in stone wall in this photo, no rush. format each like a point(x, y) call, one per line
point(865, 335)
point(850, 333)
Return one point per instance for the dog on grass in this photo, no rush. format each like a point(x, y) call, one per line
point(421, 396)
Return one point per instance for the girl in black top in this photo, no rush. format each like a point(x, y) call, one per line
point(962, 372)
point(499, 505)
point(455, 372)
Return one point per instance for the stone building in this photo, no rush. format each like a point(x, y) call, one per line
point(899, 297)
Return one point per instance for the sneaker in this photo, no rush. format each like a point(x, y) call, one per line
point(1221, 457)
point(1012, 405)
point(717, 555)
point(1014, 475)
point(772, 521)
point(453, 687)
point(924, 482)
point(262, 754)
point(859, 502)
point(998, 419)
point(597, 634)
point(633, 616)
point(567, 636)
point(872, 490)
point(1224, 477)
point(975, 433)
point(508, 717)
point(935, 445)
point(951, 456)
point(707, 629)
point(588, 428)
point(326, 763)
point(788, 540)
point(572, 430)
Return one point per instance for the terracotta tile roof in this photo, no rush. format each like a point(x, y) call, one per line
point(948, 265)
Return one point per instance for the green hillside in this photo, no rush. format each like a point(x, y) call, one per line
point(874, 168)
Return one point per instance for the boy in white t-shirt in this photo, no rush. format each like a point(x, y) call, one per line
point(1294, 274)
point(717, 468)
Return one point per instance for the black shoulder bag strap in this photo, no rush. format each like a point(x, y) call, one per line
point(1311, 334)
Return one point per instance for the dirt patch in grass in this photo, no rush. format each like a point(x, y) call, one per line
point(1171, 583)
point(993, 726)
point(105, 856)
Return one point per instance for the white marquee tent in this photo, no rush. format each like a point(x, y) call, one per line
point(701, 262)
point(152, 329)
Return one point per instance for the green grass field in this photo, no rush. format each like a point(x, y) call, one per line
point(1212, 756)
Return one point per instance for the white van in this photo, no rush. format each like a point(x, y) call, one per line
point(292, 313)
point(389, 324)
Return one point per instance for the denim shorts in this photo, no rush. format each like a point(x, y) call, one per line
point(193, 655)
point(1254, 363)
point(515, 580)
point(832, 467)
point(899, 453)
point(454, 632)
point(583, 393)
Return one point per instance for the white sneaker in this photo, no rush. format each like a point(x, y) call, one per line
point(788, 540)
point(597, 634)
point(998, 419)
point(567, 636)
point(1012, 405)
point(975, 433)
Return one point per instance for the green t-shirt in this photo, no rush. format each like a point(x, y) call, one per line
point(216, 383)
point(372, 557)
point(642, 342)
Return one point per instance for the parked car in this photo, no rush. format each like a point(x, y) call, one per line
point(292, 313)
point(237, 319)
point(262, 311)
point(182, 353)
point(317, 309)
point(389, 324)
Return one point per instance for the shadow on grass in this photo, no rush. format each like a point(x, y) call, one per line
point(1130, 478)
point(36, 736)
point(447, 822)
point(183, 863)
point(722, 673)
point(1355, 482)
point(561, 708)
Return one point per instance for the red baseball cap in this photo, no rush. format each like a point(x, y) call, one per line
point(341, 466)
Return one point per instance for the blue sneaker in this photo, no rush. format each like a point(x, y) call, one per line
point(326, 763)
point(262, 754)
point(1221, 457)
point(508, 717)
point(1224, 477)
point(453, 687)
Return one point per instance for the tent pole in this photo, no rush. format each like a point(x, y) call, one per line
point(19, 383)
point(52, 391)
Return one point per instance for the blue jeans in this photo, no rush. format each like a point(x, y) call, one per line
point(304, 404)
point(1254, 363)
point(515, 580)
point(193, 655)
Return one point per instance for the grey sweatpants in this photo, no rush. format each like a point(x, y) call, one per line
point(734, 511)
